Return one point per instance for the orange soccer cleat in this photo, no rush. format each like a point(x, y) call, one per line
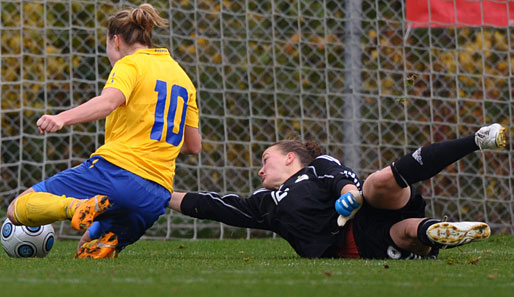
point(101, 248)
point(87, 211)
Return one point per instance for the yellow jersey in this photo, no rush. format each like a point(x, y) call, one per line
point(144, 135)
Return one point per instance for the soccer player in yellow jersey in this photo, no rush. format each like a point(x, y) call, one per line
point(151, 114)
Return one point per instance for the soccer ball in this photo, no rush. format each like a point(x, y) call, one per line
point(23, 241)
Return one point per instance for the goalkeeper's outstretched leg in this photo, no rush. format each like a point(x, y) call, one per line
point(388, 192)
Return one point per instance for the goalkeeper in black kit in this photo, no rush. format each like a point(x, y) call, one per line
point(323, 210)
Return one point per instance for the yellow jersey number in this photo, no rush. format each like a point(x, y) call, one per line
point(177, 91)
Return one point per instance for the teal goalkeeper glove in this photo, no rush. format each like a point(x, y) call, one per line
point(347, 206)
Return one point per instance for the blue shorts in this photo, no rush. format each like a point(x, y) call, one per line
point(137, 202)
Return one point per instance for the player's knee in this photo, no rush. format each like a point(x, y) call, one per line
point(411, 229)
point(382, 181)
point(381, 190)
point(405, 233)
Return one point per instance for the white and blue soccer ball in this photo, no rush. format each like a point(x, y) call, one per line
point(24, 241)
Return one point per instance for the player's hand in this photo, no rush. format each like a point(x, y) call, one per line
point(346, 204)
point(49, 123)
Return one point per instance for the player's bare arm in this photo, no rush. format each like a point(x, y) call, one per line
point(176, 201)
point(97, 108)
point(347, 188)
point(192, 141)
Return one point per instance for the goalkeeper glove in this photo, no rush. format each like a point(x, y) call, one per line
point(347, 206)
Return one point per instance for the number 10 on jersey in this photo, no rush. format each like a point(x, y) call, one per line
point(161, 87)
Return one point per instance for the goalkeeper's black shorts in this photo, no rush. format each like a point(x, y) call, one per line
point(371, 229)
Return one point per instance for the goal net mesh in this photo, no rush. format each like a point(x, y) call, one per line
point(357, 79)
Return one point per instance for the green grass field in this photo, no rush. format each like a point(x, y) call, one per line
point(258, 267)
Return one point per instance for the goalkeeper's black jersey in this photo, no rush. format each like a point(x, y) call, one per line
point(301, 210)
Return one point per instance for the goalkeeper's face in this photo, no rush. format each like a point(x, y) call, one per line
point(276, 167)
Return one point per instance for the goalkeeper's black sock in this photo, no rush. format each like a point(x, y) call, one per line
point(422, 232)
point(428, 161)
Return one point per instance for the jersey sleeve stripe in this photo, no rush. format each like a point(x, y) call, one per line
point(274, 198)
point(326, 176)
point(329, 158)
point(215, 196)
point(260, 191)
point(313, 170)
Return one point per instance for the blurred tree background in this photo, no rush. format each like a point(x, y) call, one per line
point(268, 70)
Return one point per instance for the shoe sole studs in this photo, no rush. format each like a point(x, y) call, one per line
point(446, 233)
point(501, 138)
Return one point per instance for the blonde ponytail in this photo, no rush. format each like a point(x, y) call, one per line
point(135, 25)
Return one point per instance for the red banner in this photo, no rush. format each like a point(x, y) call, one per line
point(460, 13)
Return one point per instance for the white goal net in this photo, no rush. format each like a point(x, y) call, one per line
point(353, 75)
